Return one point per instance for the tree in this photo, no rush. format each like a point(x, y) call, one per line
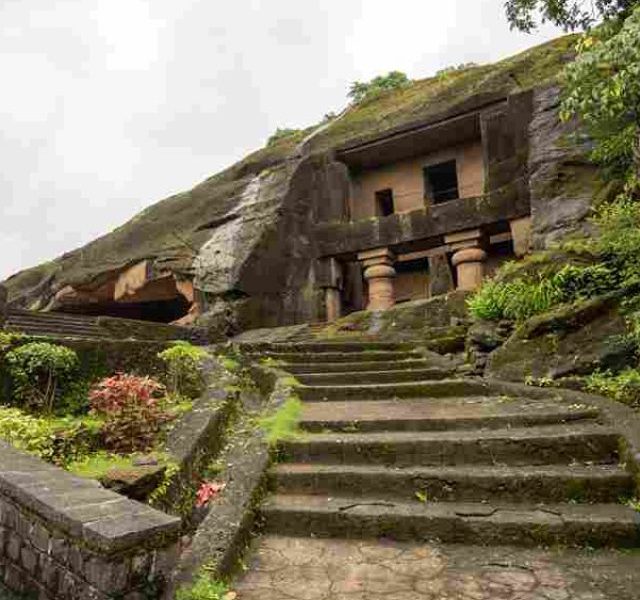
point(602, 88)
point(568, 14)
point(393, 80)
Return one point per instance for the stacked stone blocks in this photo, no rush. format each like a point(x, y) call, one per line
point(64, 537)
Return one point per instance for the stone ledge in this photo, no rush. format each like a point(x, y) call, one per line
point(102, 520)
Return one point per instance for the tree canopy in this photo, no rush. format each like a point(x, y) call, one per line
point(568, 14)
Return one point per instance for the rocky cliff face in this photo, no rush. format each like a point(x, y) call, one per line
point(561, 179)
point(241, 246)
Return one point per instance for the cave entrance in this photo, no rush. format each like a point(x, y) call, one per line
point(157, 311)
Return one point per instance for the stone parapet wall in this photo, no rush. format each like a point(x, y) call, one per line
point(62, 537)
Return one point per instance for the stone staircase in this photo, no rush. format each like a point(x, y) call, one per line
point(59, 324)
point(394, 446)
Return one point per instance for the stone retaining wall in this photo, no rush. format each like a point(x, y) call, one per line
point(62, 537)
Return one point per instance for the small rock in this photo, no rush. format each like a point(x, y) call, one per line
point(145, 461)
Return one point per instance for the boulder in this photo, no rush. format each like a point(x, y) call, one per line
point(572, 340)
point(562, 178)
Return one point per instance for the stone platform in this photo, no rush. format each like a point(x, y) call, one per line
point(286, 568)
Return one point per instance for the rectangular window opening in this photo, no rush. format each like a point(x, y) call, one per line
point(384, 203)
point(441, 182)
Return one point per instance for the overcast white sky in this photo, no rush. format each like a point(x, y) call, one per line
point(107, 106)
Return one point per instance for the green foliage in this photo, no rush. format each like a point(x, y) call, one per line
point(133, 409)
point(57, 440)
point(282, 134)
point(618, 241)
point(283, 424)
point(444, 74)
point(40, 373)
point(623, 387)
point(184, 374)
point(602, 88)
point(360, 92)
point(97, 465)
point(569, 14)
point(205, 587)
point(521, 298)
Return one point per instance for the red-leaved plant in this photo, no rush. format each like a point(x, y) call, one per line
point(208, 491)
point(133, 410)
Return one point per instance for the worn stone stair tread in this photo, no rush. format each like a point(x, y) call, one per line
point(552, 444)
point(332, 357)
point(559, 483)
point(326, 346)
point(468, 522)
point(310, 368)
point(381, 376)
point(515, 433)
point(439, 413)
point(425, 388)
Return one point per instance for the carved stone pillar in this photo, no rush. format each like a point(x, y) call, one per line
point(331, 279)
point(333, 303)
point(468, 258)
point(379, 273)
point(469, 263)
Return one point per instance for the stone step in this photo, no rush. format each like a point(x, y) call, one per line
point(370, 377)
point(386, 391)
point(377, 356)
point(553, 483)
point(593, 525)
point(59, 317)
point(319, 347)
point(54, 329)
point(439, 414)
point(351, 367)
point(555, 444)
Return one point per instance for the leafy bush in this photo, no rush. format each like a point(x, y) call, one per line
point(282, 134)
point(57, 440)
point(133, 410)
point(522, 298)
point(204, 588)
point(394, 80)
point(623, 386)
point(446, 73)
point(41, 372)
point(184, 373)
point(514, 300)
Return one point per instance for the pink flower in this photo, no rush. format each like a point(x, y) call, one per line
point(208, 490)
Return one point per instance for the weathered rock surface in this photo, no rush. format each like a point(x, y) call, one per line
point(242, 246)
point(561, 177)
point(572, 340)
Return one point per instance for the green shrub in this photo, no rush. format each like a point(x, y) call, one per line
point(40, 373)
point(57, 440)
point(360, 92)
point(282, 134)
point(204, 588)
point(623, 387)
point(522, 298)
point(514, 300)
point(133, 409)
point(184, 373)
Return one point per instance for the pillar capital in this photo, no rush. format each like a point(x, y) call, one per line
point(470, 238)
point(378, 256)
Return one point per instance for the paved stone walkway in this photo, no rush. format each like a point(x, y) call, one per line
point(285, 568)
